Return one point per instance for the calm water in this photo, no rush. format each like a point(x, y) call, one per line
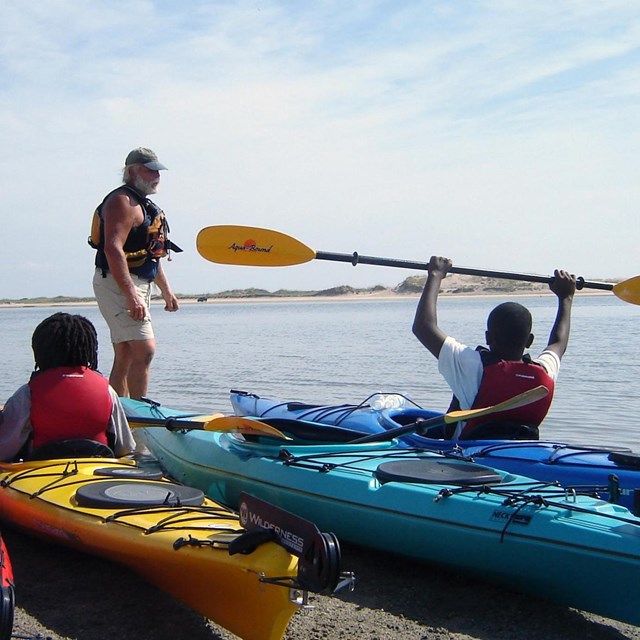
point(342, 351)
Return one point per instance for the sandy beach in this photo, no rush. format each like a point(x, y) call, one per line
point(62, 595)
point(454, 285)
point(352, 297)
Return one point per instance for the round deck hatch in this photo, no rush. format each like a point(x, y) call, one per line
point(129, 472)
point(436, 471)
point(117, 494)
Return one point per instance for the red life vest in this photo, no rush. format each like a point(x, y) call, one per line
point(69, 402)
point(503, 379)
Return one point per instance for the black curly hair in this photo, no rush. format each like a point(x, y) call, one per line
point(510, 324)
point(65, 340)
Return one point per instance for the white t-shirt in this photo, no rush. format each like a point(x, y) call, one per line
point(461, 366)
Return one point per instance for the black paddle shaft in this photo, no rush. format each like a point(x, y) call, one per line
point(355, 258)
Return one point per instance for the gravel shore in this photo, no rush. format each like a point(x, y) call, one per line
point(62, 594)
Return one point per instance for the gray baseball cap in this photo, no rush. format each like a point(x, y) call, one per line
point(144, 156)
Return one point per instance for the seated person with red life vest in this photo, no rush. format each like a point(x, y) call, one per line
point(484, 377)
point(66, 400)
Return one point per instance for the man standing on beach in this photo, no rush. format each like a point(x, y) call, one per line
point(130, 233)
point(483, 377)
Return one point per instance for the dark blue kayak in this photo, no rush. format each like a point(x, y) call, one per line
point(612, 472)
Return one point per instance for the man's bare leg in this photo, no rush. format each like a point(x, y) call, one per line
point(131, 367)
point(120, 368)
point(142, 352)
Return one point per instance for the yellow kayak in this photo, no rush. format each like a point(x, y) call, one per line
point(243, 576)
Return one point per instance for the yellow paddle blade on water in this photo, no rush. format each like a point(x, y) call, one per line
point(251, 247)
point(213, 422)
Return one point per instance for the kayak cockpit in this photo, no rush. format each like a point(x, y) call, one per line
point(303, 432)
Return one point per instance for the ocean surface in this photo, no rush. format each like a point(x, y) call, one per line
point(342, 351)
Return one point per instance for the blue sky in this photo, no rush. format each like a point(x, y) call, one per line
point(503, 134)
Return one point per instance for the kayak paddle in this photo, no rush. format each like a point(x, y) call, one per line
point(237, 424)
point(256, 247)
point(232, 424)
point(522, 399)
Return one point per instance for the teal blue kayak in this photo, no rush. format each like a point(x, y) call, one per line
point(611, 472)
point(532, 536)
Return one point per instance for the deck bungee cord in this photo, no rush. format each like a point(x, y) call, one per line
point(156, 526)
point(541, 494)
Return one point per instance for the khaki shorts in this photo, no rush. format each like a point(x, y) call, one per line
point(113, 308)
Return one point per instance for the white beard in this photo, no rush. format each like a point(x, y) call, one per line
point(145, 187)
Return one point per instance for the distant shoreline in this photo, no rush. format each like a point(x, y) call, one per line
point(351, 297)
point(410, 288)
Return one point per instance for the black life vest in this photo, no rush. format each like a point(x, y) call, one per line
point(146, 243)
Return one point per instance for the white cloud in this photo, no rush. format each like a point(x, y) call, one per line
point(499, 133)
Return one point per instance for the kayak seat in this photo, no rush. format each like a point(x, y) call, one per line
point(436, 471)
point(625, 459)
point(72, 448)
point(502, 430)
point(313, 431)
point(301, 406)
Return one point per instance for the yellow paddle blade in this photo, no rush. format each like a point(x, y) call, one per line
point(628, 290)
point(251, 246)
point(245, 426)
point(520, 400)
point(176, 422)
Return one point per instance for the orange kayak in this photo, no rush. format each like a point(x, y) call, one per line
point(242, 576)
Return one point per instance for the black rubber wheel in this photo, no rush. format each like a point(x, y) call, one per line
point(7, 609)
point(319, 567)
point(332, 571)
